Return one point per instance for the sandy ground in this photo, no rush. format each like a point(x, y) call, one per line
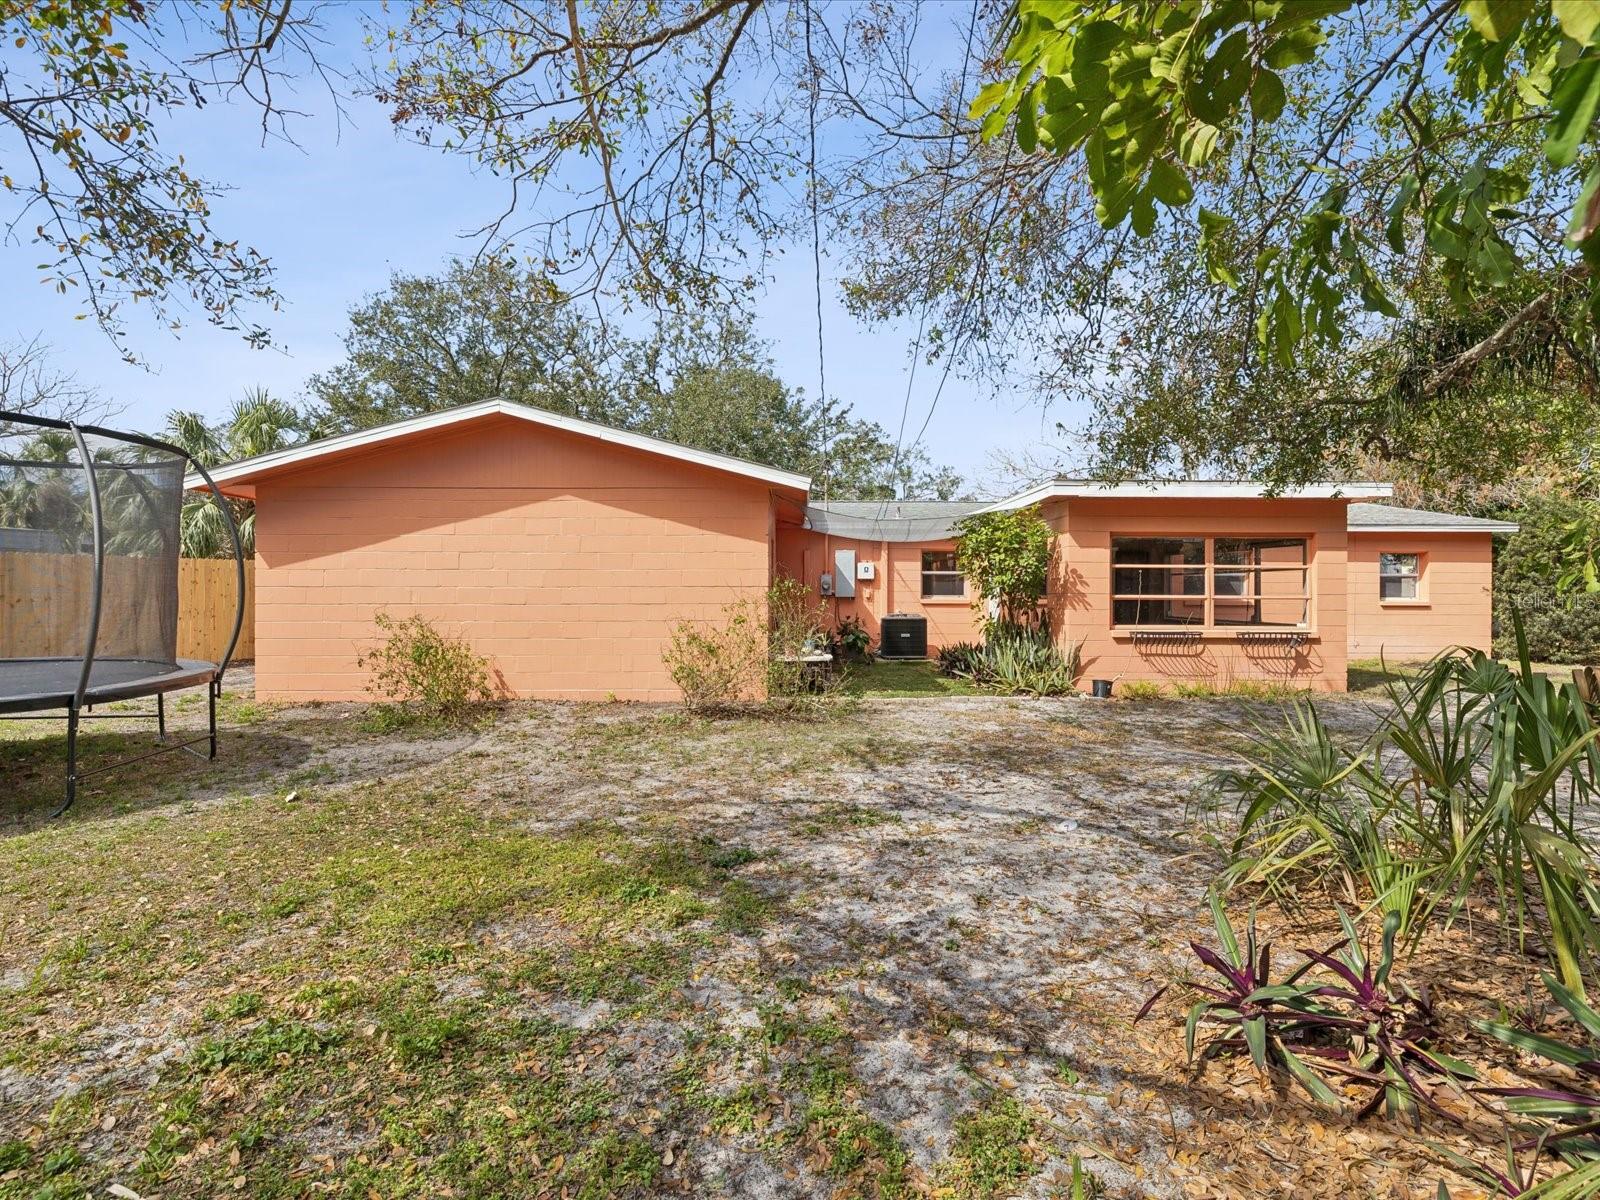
point(983, 891)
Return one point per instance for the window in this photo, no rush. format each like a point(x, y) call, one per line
point(1398, 576)
point(939, 575)
point(1210, 582)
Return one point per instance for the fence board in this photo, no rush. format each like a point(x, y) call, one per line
point(205, 608)
point(44, 604)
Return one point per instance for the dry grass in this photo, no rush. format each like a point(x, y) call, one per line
point(615, 950)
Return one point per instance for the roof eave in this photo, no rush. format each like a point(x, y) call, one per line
point(248, 470)
point(1186, 490)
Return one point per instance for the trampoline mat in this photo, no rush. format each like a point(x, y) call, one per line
point(52, 682)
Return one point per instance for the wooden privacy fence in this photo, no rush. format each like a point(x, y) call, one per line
point(44, 602)
point(205, 608)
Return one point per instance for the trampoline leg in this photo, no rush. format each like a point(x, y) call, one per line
point(211, 701)
point(72, 762)
point(161, 716)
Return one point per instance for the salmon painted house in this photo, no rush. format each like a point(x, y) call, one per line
point(566, 552)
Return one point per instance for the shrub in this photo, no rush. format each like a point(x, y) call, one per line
point(721, 667)
point(1006, 558)
point(1561, 626)
point(418, 673)
point(1142, 689)
point(741, 662)
point(1015, 660)
point(851, 638)
point(1472, 782)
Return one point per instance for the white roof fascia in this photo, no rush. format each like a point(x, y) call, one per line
point(1187, 489)
point(379, 434)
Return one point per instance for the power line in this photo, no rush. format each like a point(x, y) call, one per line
point(916, 345)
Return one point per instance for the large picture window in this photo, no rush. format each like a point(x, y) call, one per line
point(1210, 582)
point(940, 578)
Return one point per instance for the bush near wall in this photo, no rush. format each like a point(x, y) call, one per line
point(1561, 628)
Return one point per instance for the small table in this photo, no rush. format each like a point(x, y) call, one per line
point(814, 668)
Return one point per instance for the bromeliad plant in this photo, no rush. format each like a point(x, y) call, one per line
point(1358, 1025)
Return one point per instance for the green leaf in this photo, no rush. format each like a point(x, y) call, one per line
point(1169, 183)
point(1395, 229)
point(1027, 127)
point(1255, 1036)
point(988, 96)
point(1267, 97)
point(1573, 107)
point(1586, 212)
point(1497, 20)
point(1578, 19)
point(1295, 47)
point(1307, 1078)
point(1143, 213)
point(1197, 143)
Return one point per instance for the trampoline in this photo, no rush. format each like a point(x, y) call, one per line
point(89, 549)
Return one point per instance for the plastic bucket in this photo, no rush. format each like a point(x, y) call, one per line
point(1102, 689)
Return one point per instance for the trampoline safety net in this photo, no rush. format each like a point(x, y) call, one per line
point(51, 481)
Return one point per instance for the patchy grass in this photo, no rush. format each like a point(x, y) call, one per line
point(610, 950)
point(994, 1151)
point(887, 678)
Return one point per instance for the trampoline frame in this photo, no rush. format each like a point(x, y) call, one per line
point(80, 704)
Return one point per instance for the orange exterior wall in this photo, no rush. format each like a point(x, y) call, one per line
point(563, 559)
point(1454, 605)
point(804, 554)
point(1081, 597)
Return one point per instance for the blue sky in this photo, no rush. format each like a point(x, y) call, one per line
point(346, 207)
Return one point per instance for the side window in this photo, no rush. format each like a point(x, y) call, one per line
point(1399, 576)
point(940, 577)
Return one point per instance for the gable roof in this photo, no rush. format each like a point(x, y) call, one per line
point(247, 470)
point(1391, 518)
point(1186, 489)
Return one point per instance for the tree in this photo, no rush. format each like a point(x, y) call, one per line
point(258, 423)
point(745, 410)
point(1396, 184)
point(1006, 556)
point(477, 332)
point(84, 90)
point(494, 330)
point(29, 383)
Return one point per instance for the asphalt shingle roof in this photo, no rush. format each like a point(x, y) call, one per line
point(934, 520)
point(1392, 516)
point(890, 520)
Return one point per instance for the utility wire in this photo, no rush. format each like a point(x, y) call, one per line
point(916, 345)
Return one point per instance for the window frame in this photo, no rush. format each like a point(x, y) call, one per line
point(1208, 572)
point(1417, 575)
point(926, 571)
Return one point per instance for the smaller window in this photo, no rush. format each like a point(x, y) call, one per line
point(1398, 576)
point(940, 576)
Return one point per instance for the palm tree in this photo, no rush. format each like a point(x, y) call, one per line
point(258, 423)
